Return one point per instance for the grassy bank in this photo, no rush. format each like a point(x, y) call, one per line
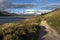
point(21, 30)
point(53, 19)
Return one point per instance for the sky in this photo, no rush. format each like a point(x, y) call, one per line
point(21, 5)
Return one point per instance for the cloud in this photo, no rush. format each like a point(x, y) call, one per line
point(42, 1)
point(3, 0)
point(4, 4)
point(23, 5)
point(52, 6)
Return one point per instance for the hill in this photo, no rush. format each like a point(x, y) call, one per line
point(5, 13)
point(53, 19)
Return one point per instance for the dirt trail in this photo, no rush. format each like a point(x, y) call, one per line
point(50, 33)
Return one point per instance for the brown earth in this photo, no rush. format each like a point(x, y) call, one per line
point(47, 33)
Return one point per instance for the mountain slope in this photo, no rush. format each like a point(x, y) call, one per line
point(53, 19)
point(5, 13)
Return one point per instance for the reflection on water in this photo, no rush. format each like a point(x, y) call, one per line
point(10, 19)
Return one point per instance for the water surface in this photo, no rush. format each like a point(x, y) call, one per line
point(9, 19)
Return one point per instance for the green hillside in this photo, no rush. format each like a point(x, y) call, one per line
point(53, 19)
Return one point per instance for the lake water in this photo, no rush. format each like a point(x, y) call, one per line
point(9, 19)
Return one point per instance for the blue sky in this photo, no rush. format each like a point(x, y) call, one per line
point(39, 3)
point(23, 1)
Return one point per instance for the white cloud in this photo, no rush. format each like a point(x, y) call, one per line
point(30, 10)
point(52, 6)
point(7, 4)
point(3, 0)
point(3, 4)
point(35, 11)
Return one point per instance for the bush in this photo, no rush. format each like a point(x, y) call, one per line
point(22, 30)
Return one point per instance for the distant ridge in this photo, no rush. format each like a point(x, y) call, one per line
point(5, 13)
point(54, 12)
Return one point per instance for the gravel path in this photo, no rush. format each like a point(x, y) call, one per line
point(47, 33)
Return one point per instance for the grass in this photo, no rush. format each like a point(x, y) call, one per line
point(53, 19)
point(21, 30)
